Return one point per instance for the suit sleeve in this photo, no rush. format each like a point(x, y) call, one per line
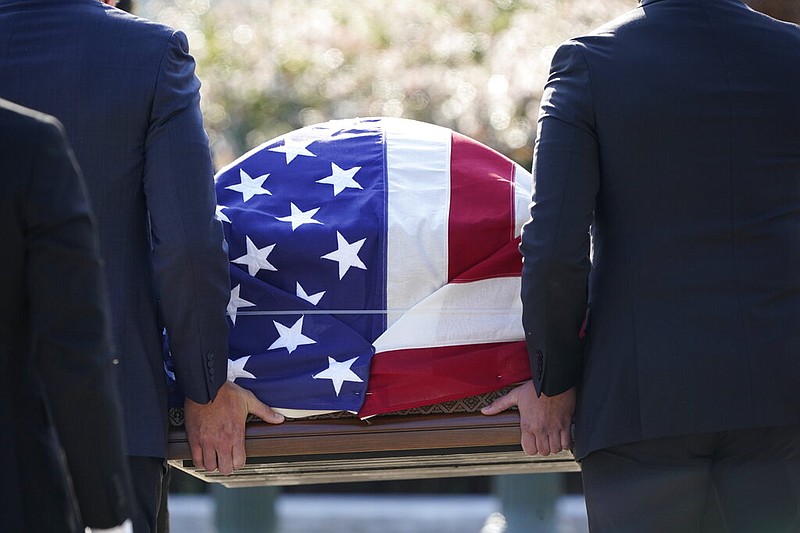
point(555, 242)
point(189, 260)
point(71, 339)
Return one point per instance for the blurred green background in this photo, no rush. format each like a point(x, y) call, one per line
point(476, 66)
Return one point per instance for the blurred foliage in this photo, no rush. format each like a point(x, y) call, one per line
point(476, 66)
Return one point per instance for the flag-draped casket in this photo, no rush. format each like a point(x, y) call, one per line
point(374, 267)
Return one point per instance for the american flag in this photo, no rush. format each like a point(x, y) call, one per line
point(374, 267)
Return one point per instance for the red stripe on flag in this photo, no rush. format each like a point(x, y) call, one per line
point(450, 373)
point(481, 210)
point(505, 263)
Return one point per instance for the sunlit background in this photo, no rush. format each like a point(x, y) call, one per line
point(476, 66)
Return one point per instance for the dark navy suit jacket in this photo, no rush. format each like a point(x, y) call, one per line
point(673, 135)
point(57, 389)
point(126, 92)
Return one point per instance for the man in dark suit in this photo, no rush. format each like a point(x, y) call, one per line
point(126, 92)
point(673, 133)
point(57, 388)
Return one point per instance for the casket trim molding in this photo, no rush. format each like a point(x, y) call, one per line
point(381, 448)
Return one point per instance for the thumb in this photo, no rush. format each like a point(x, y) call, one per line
point(500, 404)
point(262, 410)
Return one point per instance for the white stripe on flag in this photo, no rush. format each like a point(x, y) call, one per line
point(523, 184)
point(300, 413)
point(418, 168)
point(457, 315)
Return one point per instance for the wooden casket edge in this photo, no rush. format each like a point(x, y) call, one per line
point(386, 447)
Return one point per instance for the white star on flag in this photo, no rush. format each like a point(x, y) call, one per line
point(236, 302)
point(236, 369)
point(338, 373)
point(313, 299)
point(346, 255)
point(293, 148)
point(298, 217)
point(222, 217)
point(341, 179)
point(290, 338)
point(256, 258)
point(248, 186)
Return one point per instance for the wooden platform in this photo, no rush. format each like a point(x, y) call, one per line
point(382, 448)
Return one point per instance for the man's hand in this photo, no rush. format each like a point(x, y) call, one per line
point(216, 429)
point(545, 421)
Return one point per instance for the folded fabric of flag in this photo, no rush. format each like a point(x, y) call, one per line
point(374, 267)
